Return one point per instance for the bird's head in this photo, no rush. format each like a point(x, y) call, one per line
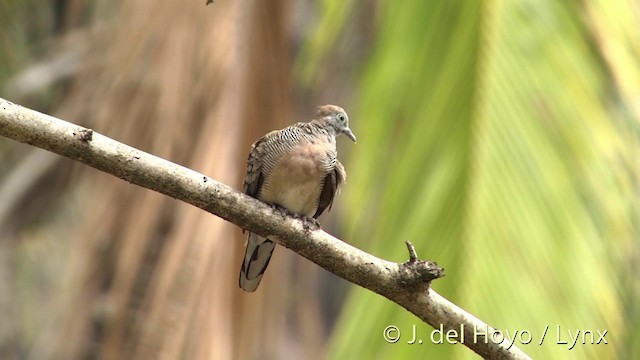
point(336, 117)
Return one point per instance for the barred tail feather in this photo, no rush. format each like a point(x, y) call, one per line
point(256, 259)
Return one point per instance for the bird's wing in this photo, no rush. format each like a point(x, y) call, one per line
point(255, 177)
point(265, 154)
point(259, 250)
point(332, 183)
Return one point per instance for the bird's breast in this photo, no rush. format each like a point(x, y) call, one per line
point(296, 180)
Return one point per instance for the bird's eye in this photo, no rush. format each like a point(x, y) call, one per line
point(341, 117)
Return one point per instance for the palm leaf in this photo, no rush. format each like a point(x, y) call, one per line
point(495, 137)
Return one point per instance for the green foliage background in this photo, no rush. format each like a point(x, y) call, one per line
point(501, 138)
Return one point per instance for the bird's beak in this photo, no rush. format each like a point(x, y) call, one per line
point(349, 134)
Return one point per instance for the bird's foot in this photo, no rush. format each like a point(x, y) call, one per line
point(283, 211)
point(310, 223)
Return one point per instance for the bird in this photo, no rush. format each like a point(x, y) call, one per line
point(295, 170)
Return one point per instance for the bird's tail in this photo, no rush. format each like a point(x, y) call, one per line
point(256, 259)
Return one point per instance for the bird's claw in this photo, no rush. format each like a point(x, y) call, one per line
point(309, 223)
point(283, 211)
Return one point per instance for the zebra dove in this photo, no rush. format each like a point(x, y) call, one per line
point(296, 170)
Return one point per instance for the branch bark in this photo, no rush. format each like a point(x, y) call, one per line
point(406, 284)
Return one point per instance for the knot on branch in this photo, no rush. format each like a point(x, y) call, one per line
point(416, 272)
point(84, 135)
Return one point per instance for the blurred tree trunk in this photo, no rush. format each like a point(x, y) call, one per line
point(149, 277)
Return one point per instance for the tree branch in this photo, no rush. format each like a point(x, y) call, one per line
point(406, 284)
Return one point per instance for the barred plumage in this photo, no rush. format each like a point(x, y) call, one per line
point(295, 168)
